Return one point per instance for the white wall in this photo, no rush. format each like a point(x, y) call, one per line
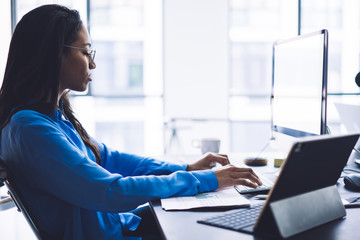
point(196, 58)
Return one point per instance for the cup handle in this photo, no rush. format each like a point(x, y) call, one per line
point(195, 143)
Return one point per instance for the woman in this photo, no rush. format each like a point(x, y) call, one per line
point(76, 187)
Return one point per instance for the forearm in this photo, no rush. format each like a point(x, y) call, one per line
point(134, 165)
point(127, 193)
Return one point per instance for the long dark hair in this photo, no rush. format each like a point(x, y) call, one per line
point(31, 79)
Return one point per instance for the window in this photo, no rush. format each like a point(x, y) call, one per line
point(254, 26)
point(120, 68)
point(117, 29)
point(124, 104)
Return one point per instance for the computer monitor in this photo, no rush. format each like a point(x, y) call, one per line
point(299, 88)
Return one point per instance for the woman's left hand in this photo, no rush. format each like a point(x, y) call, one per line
point(208, 160)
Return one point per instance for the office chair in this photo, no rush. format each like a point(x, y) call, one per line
point(5, 179)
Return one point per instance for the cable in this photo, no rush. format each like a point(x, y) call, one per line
point(262, 150)
point(328, 131)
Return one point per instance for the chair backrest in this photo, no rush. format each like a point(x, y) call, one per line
point(16, 197)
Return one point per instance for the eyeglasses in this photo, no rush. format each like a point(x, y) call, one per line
point(90, 52)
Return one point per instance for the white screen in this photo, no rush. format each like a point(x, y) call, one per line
point(299, 84)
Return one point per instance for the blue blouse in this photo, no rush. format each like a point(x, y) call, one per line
point(70, 195)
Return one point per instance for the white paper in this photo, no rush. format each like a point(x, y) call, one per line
point(228, 197)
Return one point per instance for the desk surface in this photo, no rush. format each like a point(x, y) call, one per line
point(183, 225)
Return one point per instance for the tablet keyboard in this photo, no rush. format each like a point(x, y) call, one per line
point(244, 189)
point(265, 187)
point(235, 219)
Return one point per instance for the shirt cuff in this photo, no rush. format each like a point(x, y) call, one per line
point(208, 180)
point(174, 167)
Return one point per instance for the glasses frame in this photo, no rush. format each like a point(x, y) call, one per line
point(90, 52)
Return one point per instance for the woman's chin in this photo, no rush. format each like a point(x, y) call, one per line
point(80, 90)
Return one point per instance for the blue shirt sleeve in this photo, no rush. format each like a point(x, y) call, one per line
point(133, 165)
point(51, 159)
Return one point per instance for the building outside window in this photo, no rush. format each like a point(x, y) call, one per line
point(253, 27)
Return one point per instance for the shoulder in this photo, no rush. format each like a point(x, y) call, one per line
point(28, 127)
point(30, 121)
point(25, 117)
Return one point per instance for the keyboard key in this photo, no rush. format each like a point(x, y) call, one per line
point(235, 219)
point(265, 187)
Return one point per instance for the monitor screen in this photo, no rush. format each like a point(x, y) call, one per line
point(299, 85)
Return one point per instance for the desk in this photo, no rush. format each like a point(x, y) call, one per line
point(182, 224)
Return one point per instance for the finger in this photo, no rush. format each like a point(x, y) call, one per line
point(249, 170)
point(249, 175)
point(254, 178)
point(227, 161)
point(247, 183)
point(220, 158)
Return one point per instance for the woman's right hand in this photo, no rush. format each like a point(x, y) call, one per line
point(230, 175)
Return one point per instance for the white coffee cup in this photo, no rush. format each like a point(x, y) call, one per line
point(207, 145)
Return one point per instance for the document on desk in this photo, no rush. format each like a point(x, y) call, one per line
point(228, 197)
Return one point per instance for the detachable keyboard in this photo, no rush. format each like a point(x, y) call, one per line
point(238, 220)
point(244, 189)
point(265, 187)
